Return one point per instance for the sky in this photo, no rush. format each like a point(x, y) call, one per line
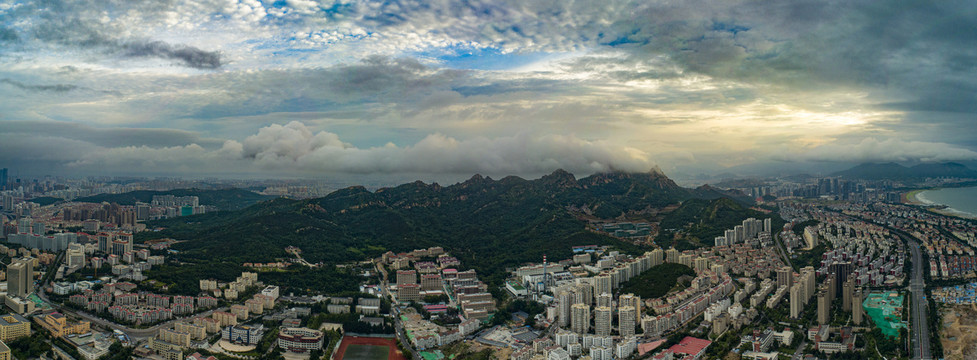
point(303, 88)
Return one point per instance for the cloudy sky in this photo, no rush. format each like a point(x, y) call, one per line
point(330, 88)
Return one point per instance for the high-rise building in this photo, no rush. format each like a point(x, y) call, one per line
point(602, 321)
point(657, 257)
point(841, 270)
point(583, 293)
point(104, 242)
point(25, 225)
point(580, 318)
point(829, 287)
point(796, 301)
point(76, 256)
point(142, 211)
point(602, 284)
point(3, 179)
point(631, 300)
point(700, 264)
point(857, 311)
point(20, 278)
point(604, 300)
point(809, 279)
point(671, 255)
point(122, 244)
point(626, 320)
point(846, 295)
point(730, 236)
point(824, 307)
point(406, 277)
point(564, 301)
point(785, 276)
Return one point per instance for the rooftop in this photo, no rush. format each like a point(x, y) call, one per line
point(690, 345)
point(11, 319)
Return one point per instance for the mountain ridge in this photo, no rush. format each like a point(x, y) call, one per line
point(488, 224)
point(894, 171)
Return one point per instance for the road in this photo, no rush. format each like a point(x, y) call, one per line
point(920, 331)
point(920, 324)
point(799, 352)
point(780, 248)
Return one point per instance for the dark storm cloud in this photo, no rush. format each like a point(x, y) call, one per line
point(58, 88)
point(921, 50)
point(188, 55)
point(107, 137)
point(65, 30)
point(8, 35)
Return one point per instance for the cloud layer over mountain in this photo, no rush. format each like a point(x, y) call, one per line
point(303, 86)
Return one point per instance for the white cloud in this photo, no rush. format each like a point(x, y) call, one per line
point(294, 148)
point(690, 81)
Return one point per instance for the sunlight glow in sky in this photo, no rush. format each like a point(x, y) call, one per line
point(332, 88)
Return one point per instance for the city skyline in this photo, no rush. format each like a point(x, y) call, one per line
point(303, 88)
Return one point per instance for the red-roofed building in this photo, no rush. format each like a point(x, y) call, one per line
point(647, 347)
point(692, 347)
point(436, 308)
point(197, 356)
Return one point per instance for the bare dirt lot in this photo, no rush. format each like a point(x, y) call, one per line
point(960, 332)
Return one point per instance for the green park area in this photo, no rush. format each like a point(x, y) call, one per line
point(435, 355)
point(885, 309)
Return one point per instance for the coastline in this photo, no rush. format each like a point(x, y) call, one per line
point(912, 197)
point(916, 197)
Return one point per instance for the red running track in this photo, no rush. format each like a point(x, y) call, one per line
point(391, 344)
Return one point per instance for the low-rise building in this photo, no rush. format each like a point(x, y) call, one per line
point(243, 334)
point(57, 324)
point(299, 340)
point(14, 326)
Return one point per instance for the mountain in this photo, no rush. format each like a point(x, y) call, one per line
point(488, 224)
point(893, 171)
point(873, 171)
point(224, 199)
point(698, 221)
point(949, 169)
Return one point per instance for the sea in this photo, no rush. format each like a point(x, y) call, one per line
point(959, 200)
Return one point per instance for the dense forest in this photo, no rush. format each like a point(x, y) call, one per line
point(657, 281)
point(490, 225)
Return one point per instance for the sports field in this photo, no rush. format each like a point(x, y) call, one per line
point(368, 348)
point(366, 352)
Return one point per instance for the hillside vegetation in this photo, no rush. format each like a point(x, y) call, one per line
point(490, 225)
point(698, 221)
point(657, 281)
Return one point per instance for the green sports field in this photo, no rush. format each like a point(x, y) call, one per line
point(366, 352)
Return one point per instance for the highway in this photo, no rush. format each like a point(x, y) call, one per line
point(920, 325)
point(919, 331)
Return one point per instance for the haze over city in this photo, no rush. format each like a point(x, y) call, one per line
point(444, 88)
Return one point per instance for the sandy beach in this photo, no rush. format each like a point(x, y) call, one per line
point(914, 198)
point(911, 199)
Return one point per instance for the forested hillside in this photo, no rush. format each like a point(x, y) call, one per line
point(488, 224)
